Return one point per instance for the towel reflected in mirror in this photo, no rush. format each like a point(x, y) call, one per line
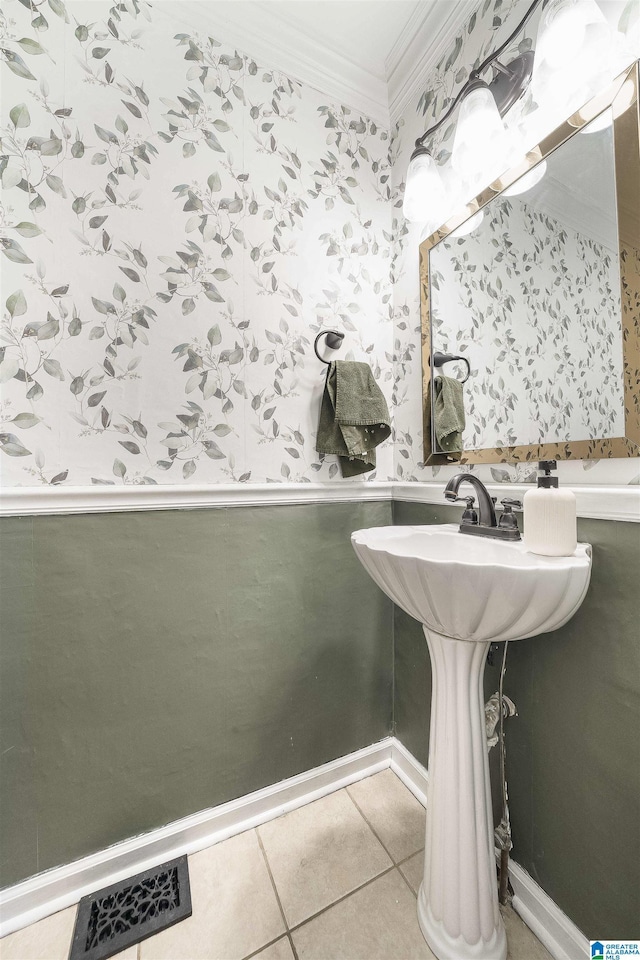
point(446, 419)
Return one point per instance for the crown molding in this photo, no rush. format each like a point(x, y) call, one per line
point(426, 38)
point(263, 32)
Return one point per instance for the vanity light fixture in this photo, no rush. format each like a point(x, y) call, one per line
point(574, 42)
point(488, 100)
point(424, 194)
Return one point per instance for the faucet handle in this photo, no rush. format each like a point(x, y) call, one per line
point(470, 515)
point(508, 519)
point(468, 500)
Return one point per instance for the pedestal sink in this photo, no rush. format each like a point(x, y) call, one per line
point(467, 592)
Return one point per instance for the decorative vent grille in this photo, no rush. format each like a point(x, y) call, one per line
point(130, 911)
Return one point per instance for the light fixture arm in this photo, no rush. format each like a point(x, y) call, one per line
point(475, 78)
point(501, 49)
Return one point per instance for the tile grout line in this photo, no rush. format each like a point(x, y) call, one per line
point(388, 852)
point(404, 859)
point(329, 906)
point(273, 882)
point(293, 946)
point(396, 863)
point(277, 895)
point(405, 879)
point(265, 946)
point(313, 916)
point(346, 896)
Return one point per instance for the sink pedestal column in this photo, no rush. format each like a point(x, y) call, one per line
point(458, 898)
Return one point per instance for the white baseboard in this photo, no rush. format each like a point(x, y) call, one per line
point(61, 887)
point(543, 916)
point(64, 886)
point(409, 770)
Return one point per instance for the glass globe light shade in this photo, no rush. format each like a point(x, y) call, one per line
point(559, 92)
point(562, 28)
point(424, 194)
point(594, 65)
point(527, 181)
point(456, 198)
point(480, 140)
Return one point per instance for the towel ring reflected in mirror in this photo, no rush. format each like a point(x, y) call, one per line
point(439, 359)
point(334, 342)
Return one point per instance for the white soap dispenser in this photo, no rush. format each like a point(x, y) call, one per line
point(550, 526)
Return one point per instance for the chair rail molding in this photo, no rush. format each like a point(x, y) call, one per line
point(102, 498)
point(595, 502)
point(613, 502)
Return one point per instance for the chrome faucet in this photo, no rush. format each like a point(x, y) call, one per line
point(484, 523)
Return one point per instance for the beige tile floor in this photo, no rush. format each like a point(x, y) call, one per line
point(335, 880)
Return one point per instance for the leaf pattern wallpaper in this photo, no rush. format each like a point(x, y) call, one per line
point(561, 343)
point(487, 27)
point(178, 223)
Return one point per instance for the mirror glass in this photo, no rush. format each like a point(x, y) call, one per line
point(528, 291)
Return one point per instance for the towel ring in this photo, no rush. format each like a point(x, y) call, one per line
point(439, 359)
point(334, 342)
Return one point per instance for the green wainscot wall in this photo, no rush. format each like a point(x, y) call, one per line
point(156, 664)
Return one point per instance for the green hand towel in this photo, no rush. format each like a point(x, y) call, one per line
point(449, 416)
point(354, 417)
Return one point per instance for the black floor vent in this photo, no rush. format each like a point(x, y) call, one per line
point(130, 911)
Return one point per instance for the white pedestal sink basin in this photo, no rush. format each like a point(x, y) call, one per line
point(467, 592)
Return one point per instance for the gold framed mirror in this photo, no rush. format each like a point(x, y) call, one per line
point(610, 354)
